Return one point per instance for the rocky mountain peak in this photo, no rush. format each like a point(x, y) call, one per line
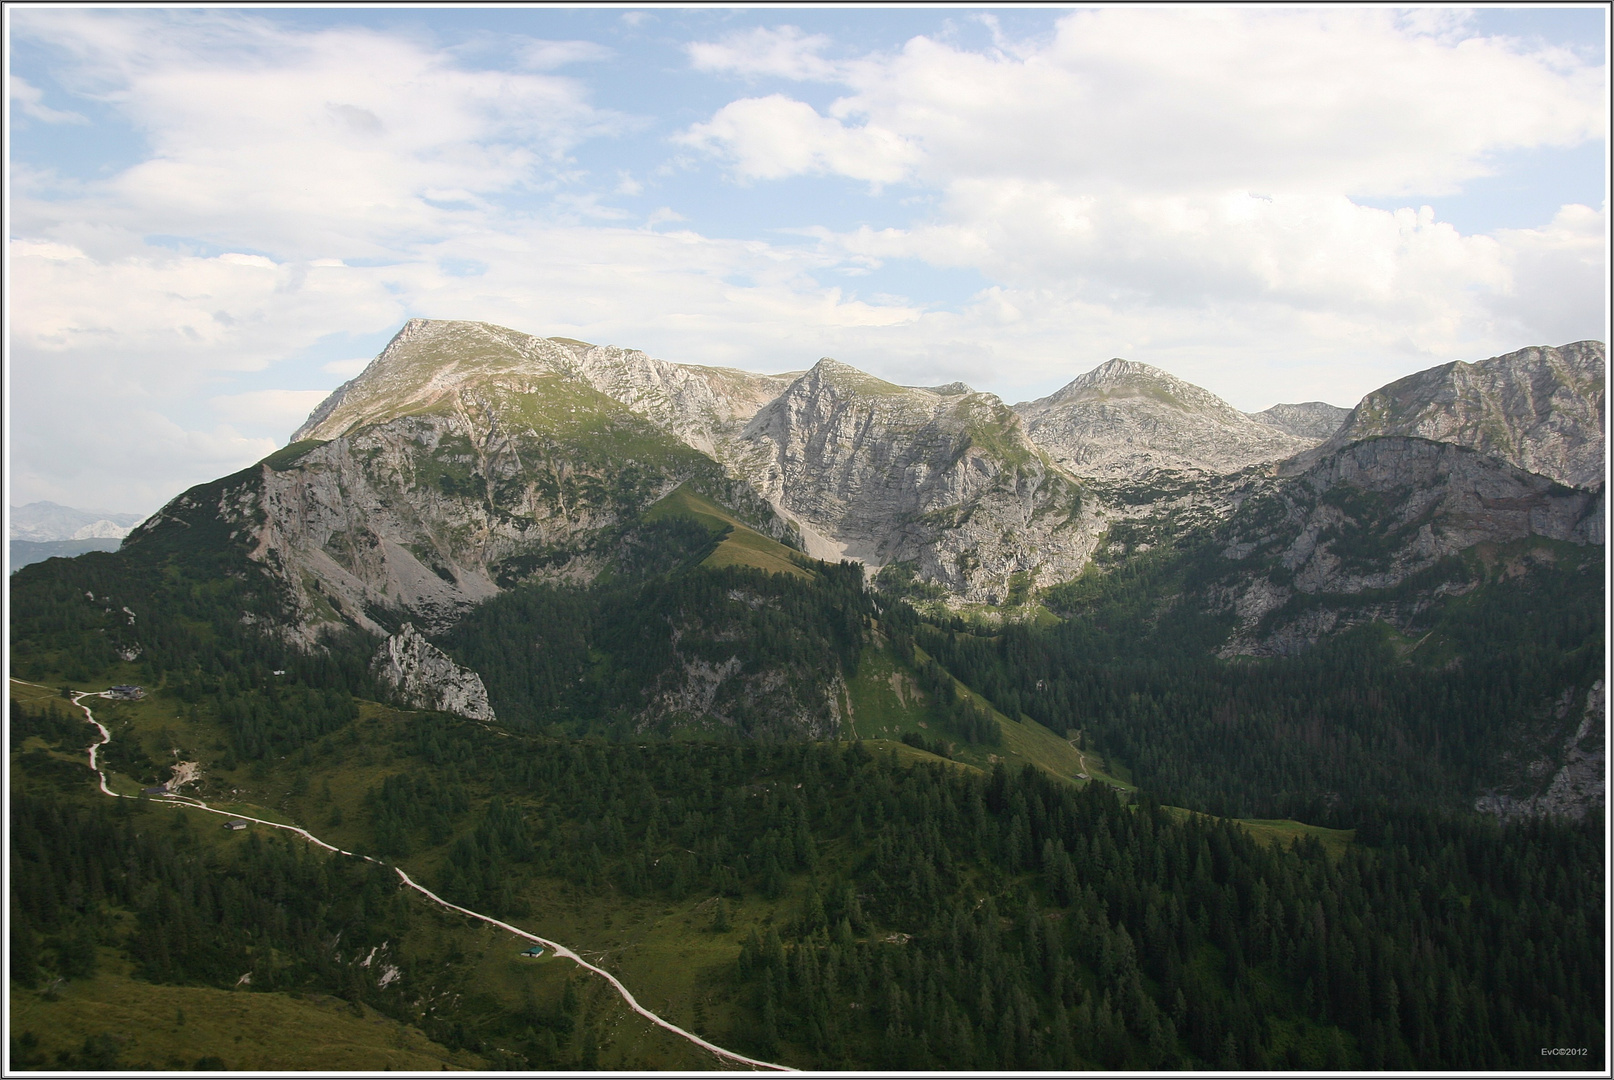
point(1121, 379)
point(425, 362)
point(1306, 420)
point(1541, 409)
point(1124, 419)
point(429, 361)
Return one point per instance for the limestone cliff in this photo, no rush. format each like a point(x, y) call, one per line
point(941, 478)
point(423, 677)
point(1369, 517)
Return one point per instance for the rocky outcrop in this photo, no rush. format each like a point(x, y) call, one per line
point(1367, 518)
point(1540, 409)
point(1308, 420)
point(1578, 769)
point(423, 677)
point(945, 479)
point(1125, 419)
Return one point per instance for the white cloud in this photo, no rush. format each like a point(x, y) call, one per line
point(1115, 190)
point(278, 410)
point(1556, 275)
point(298, 143)
point(31, 100)
point(545, 55)
point(773, 137)
point(785, 53)
point(1146, 99)
point(347, 369)
point(1199, 165)
point(189, 315)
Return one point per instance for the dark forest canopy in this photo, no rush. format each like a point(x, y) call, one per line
point(986, 921)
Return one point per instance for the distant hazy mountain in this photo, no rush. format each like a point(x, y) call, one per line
point(44, 521)
point(1308, 420)
point(1124, 419)
point(24, 552)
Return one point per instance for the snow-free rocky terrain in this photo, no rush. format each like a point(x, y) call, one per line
point(469, 457)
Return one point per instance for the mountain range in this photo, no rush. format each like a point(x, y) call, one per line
point(468, 456)
point(45, 530)
point(853, 725)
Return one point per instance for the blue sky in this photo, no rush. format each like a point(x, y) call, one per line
point(217, 214)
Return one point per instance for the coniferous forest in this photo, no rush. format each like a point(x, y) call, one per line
point(858, 904)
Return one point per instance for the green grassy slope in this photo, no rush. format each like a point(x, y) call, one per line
point(741, 545)
point(152, 1026)
point(886, 702)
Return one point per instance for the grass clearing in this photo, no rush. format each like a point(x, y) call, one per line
point(171, 1027)
point(886, 701)
point(1283, 831)
point(741, 545)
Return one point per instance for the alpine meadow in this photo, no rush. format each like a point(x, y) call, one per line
point(846, 725)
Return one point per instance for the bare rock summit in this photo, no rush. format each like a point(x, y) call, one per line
point(1124, 419)
point(1541, 409)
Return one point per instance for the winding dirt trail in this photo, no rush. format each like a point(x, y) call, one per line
point(554, 946)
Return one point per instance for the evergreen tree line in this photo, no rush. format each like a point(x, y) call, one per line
point(1122, 936)
point(272, 913)
point(1356, 716)
point(933, 916)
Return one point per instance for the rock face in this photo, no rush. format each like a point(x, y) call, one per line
point(464, 459)
point(1124, 419)
point(1541, 409)
point(1578, 767)
point(1368, 517)
point(941, 478)
point(423, 677)
point(1308, 420)
point(468, 457)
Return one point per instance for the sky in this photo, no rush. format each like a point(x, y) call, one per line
point(217, 215)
